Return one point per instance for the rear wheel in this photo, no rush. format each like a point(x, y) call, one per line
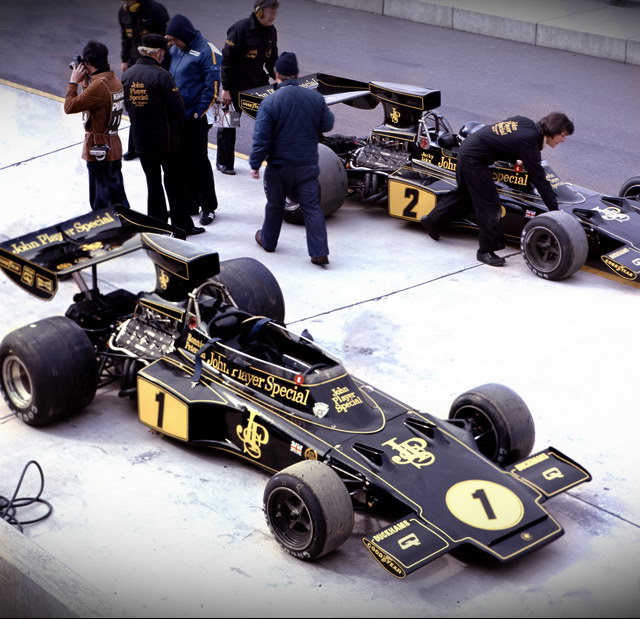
point(308, 509)
point(554, 245)
point(333, 187)
point(252, 287)
point(48, 370)
point(499, 421)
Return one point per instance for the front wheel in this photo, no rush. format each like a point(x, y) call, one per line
point(499, 421)
point(554, 245)
point(308, 509)
point(333, 187)
point(48, 370)
point(631, 188)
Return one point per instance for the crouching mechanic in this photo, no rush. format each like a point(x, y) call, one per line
point(513, 139)
point(286, 135)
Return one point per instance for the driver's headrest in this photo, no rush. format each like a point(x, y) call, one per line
point(447, 140)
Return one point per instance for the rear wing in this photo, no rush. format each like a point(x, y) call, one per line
point(335, 90)
point(36, 261)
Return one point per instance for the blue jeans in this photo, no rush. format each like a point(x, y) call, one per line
point(300, 183)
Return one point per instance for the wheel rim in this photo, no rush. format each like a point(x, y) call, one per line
point(632, 192)
point(17, 382)
point(543, 249)
point(290, 519)
point(483, 430)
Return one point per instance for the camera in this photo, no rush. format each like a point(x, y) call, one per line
point(99, 151)
point(75, 62)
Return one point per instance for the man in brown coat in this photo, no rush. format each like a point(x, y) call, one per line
point(102, 103)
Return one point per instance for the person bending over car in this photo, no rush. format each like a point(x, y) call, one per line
point(513, 139)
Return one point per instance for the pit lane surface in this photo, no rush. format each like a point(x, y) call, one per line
point(161, 528)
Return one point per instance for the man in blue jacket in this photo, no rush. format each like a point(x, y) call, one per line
point(286, 134)
point(195, 74)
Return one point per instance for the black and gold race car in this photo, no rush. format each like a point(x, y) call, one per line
point(210, 362)
point(409, 162)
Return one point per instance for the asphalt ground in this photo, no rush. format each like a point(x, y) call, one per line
point(163, 529)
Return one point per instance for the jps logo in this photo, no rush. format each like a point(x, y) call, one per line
point(253, 436)
point(411, 451)
point(394, 115)
point(612, 213)
point(163, 280)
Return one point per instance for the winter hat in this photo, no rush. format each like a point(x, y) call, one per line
point(154, 41)
point(287, 64)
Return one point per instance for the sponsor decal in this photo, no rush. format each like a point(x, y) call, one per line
point(619, 269)
point(552, 473)
point(529, 214)
point(253, 436)
point(388, 562)
point(392, 530)
point(505, 128)
point(343, 399)
point(310, 454)
point(296, 448)
point(522, 466)
point(511, 178)
point(412, 451)
point(408, 540)
point(612, 213)
point(163, 279)
point(320, 409)
point(44, 239)
point(394, 115)
point(138, 94)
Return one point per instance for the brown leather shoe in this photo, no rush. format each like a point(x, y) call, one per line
point(320, 260)
point(259, 241)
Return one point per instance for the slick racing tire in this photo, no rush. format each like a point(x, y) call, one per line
point(48, 370)
point(333, 187)
point(253, 287)
point(499, 421)
point(631, 188)
point(308, 509)
point(554, 245)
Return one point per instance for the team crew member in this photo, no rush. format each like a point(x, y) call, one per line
point(513, 139)
point(248, 59)
point(191, 65)
point(286, 134)
point(156, 110)
point(102, 102)
point(137, 18)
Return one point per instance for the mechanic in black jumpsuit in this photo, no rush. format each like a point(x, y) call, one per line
point(516, 138)
point(248, 58)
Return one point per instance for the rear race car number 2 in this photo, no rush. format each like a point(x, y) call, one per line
point(408, 201)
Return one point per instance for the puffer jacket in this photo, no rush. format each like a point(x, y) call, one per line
point(289, 125)
point(193, 68)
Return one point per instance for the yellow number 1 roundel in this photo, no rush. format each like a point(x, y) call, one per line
point(484, 504)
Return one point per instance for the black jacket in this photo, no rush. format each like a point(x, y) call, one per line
point(154, 105)
point(249, 55)
point(509, 140)
point(149, 18)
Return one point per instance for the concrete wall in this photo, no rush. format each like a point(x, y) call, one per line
point(33, 583)
point(601, 30)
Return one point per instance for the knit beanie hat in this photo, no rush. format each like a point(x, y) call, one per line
point(287, 64)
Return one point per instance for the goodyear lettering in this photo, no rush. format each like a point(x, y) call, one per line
point(386, 561)
point(343, 399)
point(619, 269)
point(250, 105)
point(392, 530)
point(531, 462)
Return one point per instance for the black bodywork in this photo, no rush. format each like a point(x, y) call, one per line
point(212, 364)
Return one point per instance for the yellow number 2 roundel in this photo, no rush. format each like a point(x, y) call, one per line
point(484, 504)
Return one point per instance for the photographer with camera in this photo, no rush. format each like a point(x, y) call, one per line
point(102, 104)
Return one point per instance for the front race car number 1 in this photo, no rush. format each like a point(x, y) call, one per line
point(162, 410)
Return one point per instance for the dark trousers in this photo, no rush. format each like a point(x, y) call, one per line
point(106, 185)
point(155, 165)
point(226, 140)
point(200, 189)
point(301, 184)
point(475, 187)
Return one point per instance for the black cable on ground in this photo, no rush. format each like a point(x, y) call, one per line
point(9, 508)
